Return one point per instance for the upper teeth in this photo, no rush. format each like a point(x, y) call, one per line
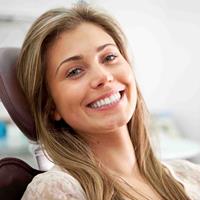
point(106, 101)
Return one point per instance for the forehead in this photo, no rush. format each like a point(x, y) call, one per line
point(83, 38)
point(84, 33)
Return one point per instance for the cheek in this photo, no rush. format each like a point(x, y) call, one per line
point(126, 74)
point(129, 79)
point(68, 98)
point(69, 101)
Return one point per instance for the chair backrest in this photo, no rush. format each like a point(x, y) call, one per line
point(14, 173)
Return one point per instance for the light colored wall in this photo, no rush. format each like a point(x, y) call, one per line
point(165, 41)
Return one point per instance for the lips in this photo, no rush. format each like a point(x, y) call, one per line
point(106, 99)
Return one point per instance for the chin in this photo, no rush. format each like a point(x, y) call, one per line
point(116, 124)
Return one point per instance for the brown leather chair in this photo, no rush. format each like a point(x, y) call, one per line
point(15, 174)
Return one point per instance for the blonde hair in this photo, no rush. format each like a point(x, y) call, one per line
point(66, 148)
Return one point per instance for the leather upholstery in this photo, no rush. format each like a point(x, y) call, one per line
point(15, 175)
point(11, 94)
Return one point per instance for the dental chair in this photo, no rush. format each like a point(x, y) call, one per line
point(15, 174)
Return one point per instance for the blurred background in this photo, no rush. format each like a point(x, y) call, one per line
point(164, 38)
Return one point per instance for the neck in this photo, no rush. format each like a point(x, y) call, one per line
point(115, 151)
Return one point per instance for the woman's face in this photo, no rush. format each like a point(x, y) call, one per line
point(91, 83)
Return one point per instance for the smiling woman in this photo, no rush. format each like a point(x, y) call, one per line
point(90, 115)
point(102, 80)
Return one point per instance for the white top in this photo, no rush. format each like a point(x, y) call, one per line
point(58, 184)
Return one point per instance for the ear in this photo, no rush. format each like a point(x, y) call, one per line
point(56, 115)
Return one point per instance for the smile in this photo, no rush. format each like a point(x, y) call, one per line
point(112, 99)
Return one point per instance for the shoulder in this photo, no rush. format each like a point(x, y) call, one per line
point(54, 184)
point(184, 169)
point(186, 173)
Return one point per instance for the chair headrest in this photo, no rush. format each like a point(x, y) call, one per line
point(12, 95)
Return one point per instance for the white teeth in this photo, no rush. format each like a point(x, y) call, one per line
point(101, 102)
point(107, 101)
point(98, 104)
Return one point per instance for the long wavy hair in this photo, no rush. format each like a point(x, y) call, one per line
point(65, 147)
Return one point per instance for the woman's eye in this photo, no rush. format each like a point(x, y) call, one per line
point(74, 72)
point(110, 58)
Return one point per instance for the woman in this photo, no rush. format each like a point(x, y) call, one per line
point(89, 113)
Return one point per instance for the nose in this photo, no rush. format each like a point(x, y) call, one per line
point(101, 76)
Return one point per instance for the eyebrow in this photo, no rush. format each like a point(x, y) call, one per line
point(79, 57)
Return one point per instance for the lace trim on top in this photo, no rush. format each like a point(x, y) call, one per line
point(58, 184)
